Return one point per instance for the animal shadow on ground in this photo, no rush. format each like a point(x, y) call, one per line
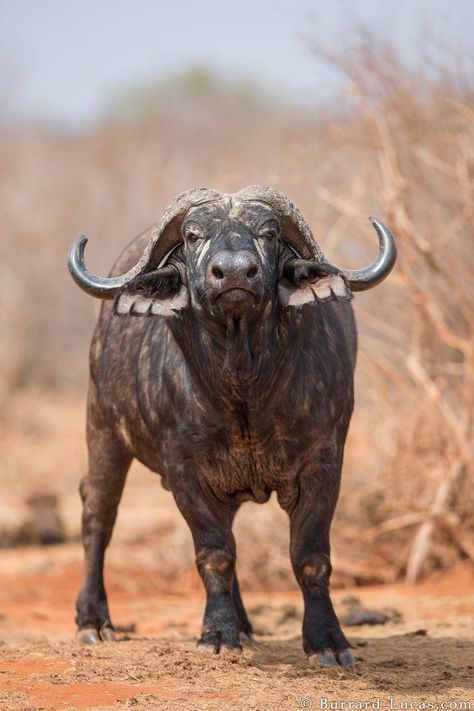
point(407, 663)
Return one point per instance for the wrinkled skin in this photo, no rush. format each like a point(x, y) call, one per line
point(234, 397)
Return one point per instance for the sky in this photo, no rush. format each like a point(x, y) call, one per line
point(63, 60)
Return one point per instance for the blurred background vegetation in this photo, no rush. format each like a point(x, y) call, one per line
point(397, 142)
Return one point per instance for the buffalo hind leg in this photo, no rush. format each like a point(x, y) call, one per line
point(210, 521)
point(310, 521)
point(245, 626)
point(101, 491)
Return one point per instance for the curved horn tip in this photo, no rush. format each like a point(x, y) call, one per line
point(378, 224)
point(88, 282)
point(387, 235)
point(99, 287)
point(76, 251)
point(81, 241)
point(363, 279)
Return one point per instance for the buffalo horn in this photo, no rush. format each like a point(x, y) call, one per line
point(362, 279)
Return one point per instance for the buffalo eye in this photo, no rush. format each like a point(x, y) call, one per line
point(270, 230)
point(192, 232)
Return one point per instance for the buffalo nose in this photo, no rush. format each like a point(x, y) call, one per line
point(234, 269)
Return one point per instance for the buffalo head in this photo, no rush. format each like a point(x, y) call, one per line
point(230, 253)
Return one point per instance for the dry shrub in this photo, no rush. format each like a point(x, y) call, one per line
point(397, 143)
point(414, 135)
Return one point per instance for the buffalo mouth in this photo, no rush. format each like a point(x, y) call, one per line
point(235, 297)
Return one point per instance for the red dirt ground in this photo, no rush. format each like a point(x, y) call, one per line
point(428, 656)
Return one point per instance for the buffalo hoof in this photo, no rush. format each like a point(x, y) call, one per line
point(343, 658)
point(227, 649)
point(107, 634)
point(88, 635)
point(213, 645)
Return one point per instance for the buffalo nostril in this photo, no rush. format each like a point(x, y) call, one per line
point(252, 271)
point(218, 273)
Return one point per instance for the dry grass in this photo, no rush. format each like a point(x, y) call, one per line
point(398, 144)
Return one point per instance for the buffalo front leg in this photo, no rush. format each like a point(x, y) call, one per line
point(210, 521)
point(100, 491)
point(310, 521)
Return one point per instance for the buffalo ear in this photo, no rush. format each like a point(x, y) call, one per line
point(164, 281)
point(304, 281)
point(127, 304)
point(157, 293)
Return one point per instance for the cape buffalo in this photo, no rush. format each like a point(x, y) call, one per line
point(223, 360)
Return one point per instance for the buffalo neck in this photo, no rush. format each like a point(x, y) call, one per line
point(237, 360)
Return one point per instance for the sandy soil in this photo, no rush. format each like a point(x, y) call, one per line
point(426, 657)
